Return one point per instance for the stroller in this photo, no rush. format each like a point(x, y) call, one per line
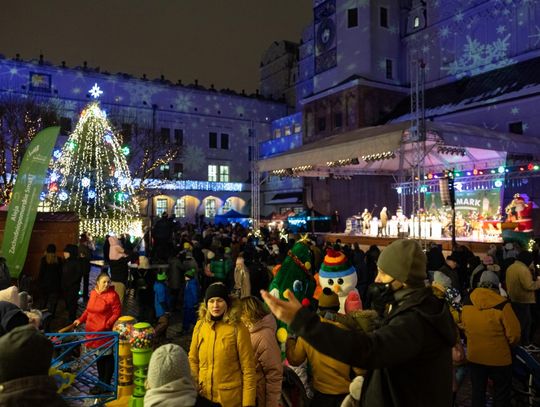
point(525, 378)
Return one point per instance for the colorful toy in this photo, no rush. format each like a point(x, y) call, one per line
point(124, 327)
point(294, 275)
point(338, 276)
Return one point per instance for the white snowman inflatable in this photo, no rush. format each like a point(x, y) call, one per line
point(337, 275)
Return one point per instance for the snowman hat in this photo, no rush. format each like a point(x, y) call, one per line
point(335, 265)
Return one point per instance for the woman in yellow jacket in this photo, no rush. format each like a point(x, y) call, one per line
point(492, 329)
point(221, 357)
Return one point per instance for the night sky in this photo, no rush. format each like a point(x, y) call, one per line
point(215, 41)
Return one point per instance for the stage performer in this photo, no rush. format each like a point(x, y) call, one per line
point(520, 212)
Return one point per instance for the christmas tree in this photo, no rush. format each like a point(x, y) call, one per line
point(91, 177)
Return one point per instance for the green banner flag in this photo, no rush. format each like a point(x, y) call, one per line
point(25, 199)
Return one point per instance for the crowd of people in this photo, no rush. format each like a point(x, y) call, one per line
point(428, 319)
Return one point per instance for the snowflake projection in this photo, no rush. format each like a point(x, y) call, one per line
point(501, 29)
point(139, 93)
point(394, 30)
point(459, 16)
point(525, 127)
point(478, 57)
point(444, 32)
point(382, 64)
point(536, 35)
point(183, 102)
point(70, 105)
point(514, 111)
point(193, 158)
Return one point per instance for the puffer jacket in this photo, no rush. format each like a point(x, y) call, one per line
point(101, 313)
point(491, 328)
point(221, 359)
point(268, 366)
point(330, 376)
point(410, 351)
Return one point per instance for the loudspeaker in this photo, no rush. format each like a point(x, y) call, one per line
point(445, 192)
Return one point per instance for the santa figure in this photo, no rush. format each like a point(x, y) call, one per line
point(520, 212)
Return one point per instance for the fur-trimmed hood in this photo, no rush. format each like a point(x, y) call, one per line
point(232, 315)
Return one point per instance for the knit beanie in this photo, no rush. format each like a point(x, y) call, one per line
point(168, 363)
point(405, 261)
point(335, 265)
point(162, 276)
point(525, 257)
point(489, 279)
point(24, 352)
point(216, 290)
point(51, 248)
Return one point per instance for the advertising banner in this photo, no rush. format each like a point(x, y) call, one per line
point(25, 199)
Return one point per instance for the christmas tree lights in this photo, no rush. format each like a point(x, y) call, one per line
point(91, 177)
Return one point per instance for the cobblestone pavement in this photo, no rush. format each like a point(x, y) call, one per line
point(175, 335)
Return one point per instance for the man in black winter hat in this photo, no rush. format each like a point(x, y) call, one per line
point(25, 358)
point(409, 357)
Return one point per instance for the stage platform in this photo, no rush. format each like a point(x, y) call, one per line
point(446, 243)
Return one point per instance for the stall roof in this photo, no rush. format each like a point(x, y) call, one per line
point(480, 147)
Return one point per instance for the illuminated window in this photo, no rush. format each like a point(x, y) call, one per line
point(416, 22)
point(227, 206)
point(277, 133)
point(180, 208)
point(224, 173)
point(288, 130)
point(161, 206)
point(210, 208)
point(212, 173)
point(297, 128)
point(164, 171)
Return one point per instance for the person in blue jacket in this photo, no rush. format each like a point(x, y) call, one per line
point(191, 300)
point(161, 306)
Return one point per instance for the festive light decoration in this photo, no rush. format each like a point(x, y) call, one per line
point(95, 92)
point(87, 160)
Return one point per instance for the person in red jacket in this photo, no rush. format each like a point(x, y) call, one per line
point(102, 311)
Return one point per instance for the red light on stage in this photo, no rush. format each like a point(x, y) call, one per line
point(530, 167)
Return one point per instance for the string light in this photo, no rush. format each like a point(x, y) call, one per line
point(93, 156)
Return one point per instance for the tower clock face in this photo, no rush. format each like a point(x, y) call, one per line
point(326, 33)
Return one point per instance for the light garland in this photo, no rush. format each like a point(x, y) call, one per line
point(91, 177)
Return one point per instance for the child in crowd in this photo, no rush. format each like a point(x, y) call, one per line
point(161, 306)
point(191, 300)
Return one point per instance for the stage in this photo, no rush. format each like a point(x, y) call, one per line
point(476, 247)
